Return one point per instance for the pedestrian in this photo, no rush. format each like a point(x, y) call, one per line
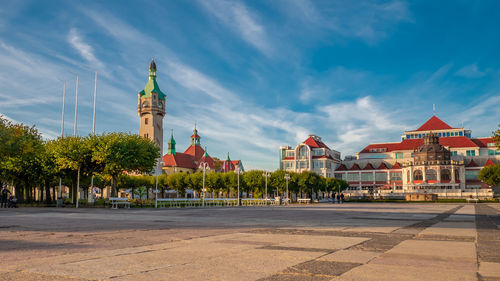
point(5, 195)
point(338, 198)
point(341, 197)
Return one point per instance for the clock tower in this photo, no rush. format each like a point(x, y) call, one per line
point(151, 109)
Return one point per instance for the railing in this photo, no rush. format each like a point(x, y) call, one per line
point(213, 202)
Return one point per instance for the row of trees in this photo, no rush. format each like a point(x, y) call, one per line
point(252, 183)
point(27, 162)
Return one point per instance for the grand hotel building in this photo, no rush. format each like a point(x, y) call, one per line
point(435, 158)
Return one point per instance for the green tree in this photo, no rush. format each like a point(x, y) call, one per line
point(120, 152)
point(177, 182)
point(73, 155)
point(254, 182)
point(490, 175)
point(496, 137)
point(194, 181)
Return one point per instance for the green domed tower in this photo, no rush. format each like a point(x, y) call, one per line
point(151, 109)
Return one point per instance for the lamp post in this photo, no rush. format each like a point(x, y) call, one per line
point(266, 174)
point(287, 177)
point(238, 172)
point(204, 164)
point(158, 171)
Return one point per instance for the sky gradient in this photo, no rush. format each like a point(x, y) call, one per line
point(255, 75)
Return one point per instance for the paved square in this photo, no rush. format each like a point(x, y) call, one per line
point(314, 242)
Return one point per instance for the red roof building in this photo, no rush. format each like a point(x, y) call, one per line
point(193, 159)
point(310, 155)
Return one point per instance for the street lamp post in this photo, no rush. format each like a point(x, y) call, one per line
point(287, 177)
point(239, 195)
point(204, 164)
point(158, 171)
point(266, 175)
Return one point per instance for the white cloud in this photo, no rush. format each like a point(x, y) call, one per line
point(237, 17)
point(471, 71)
point(367, 20)
point(85, 50)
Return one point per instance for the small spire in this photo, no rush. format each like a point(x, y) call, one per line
point(228, 159)
point(205, 154)
point(434, 109)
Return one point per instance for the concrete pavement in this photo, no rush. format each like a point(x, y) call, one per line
point(315, 242)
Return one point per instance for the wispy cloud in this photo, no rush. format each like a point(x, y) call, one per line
point(238, 17)
point(84, 49)
point(471, 71)
point(367, 20)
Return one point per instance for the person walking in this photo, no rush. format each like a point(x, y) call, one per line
point(341, 197)
point(338, 198)
point(5, 195)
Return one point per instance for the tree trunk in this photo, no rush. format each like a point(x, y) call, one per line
point(114, 191)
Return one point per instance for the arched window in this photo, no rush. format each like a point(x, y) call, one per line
point(303, 151)
point(457, 175)
point(408, 176)
point(445, 175)
point(145, 104)
point(417, 175)
point(430, 175)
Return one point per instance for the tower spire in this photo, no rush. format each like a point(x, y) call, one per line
point(171, 143)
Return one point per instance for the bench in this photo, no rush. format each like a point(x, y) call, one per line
point(304, 200)
point(472, 199)
point(115, 201)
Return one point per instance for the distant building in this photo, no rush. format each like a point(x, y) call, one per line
point(434, 158)
point(193, 158)
point(311, 155)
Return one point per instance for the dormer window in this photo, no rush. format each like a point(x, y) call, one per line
point(145, 104)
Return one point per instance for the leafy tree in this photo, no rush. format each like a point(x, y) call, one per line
point(496, 137)
point(73, 155)
point(490, 175)
point(194, 181)
point(140, 192)
point(309, 182)
point(213, 181)
point(177, 182)
point(254, 181)
point(120, 152)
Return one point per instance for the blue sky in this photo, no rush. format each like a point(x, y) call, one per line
point(255, 75)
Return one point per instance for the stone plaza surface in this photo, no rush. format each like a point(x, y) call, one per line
point(363, 241)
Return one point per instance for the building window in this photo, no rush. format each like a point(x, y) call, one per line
point(366, 176)
point(454, 153)
point(431, 175)
point(460, 133)
point(493, 152)
point(417, 175)
point(445, 175)
point(353, 177)
point(303, 151)
point(290, 153)
point(471, 153)
point(318, 152)
point(399, 155)
point(146, 121)
point(457, 175)
point(396, 176)
point(381, 176)
point(471, 175)
point(146, 135)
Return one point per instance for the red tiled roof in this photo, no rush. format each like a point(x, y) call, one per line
point(434, 123)
point(208, 160)
point(181, 160)
point(483, 142)
point(355, 167)
point(489, 163)
point(382, 166)
point(196, 151)
point(396, 166)
point(368, 167)
point(342, 167)
point(315, 143)
point(472, 163)
point(412, 144)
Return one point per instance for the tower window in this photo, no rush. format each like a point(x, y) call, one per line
point(146, 135)
point(146, 121)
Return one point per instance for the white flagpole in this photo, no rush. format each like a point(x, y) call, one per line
point(74, 134)
point(91, 197)
point(59, 195)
